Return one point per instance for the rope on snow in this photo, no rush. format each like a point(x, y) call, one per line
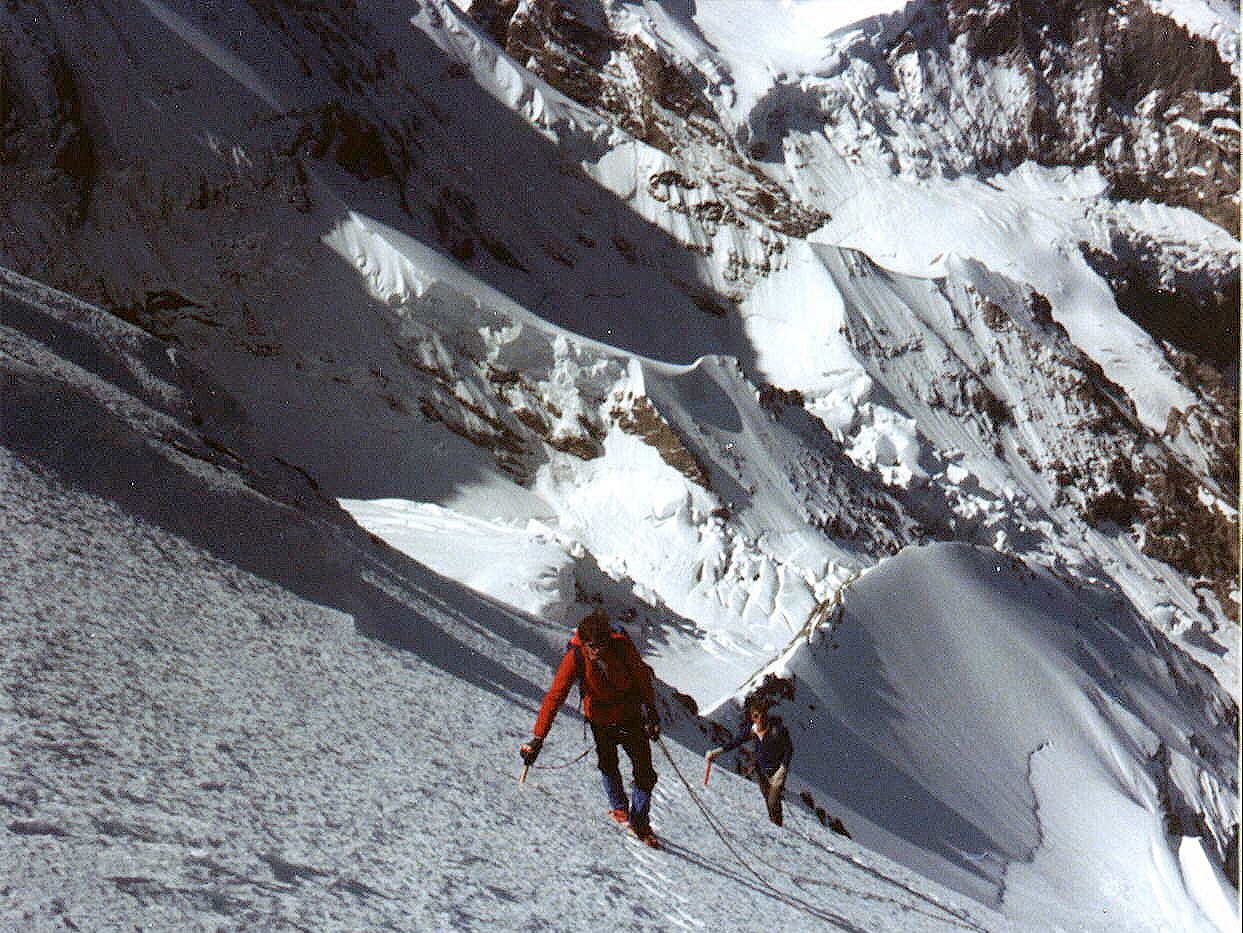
point(573, 761)
point(957, 916)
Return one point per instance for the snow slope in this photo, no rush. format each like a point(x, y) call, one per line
point(266, 720)
point(564, 357)
point(1003, 707)
point(910, 224)
point(710, 531)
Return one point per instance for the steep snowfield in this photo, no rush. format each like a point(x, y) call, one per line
point(725, 546)
point(264, 719)
point(1004, 707)
point(1028, 228)
point(914, 228)
point(1215, 19)
point(749, 45)
point(226, 708)
point(564, 354)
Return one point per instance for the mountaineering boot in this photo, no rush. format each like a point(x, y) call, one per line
point(645, 835)
point(640, 805)
point(621, 815)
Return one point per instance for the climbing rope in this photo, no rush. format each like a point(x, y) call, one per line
point(573, 761)
point(957, 916)
point(954, 915)
point(790, 900)
point(954, 912)
point(707, 815)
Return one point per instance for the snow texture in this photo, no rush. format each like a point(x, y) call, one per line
point(436, 357)
point(266, 720)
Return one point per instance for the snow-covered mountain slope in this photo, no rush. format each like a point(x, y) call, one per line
point(259, 719)
point(226, 707)
point(700, 311)
point(1025, 703)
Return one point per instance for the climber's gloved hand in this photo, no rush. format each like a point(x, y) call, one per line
point(651, 722)
point(530, 751)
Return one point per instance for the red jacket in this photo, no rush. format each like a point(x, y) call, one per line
point(615, 686)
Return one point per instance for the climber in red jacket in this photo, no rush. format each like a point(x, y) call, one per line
point(620, 706)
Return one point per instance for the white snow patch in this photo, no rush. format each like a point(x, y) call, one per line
point(967, 688)
point(794, 319)
point(1208, 885)
point(525, 568)
point(744, 47)
point(913, 226)
point(888, 443)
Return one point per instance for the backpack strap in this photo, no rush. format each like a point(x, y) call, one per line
point(580, 669)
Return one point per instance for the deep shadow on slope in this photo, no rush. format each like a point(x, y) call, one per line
point(380, 121)
point(518, 211)
point(66, 432)
point(402, 134)
point(108, 419)
point(101, 439)
point(106, 409)
point(910, 651)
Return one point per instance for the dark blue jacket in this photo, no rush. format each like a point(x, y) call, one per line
point(772, 751)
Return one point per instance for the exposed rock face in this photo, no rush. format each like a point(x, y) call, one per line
point(45, 145)
point(660, 101)
point(1086, 82)
point(951, 86)
point(1122, 88)
point(572, 47)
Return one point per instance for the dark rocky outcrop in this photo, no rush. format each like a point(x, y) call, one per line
point(1115, 85)
point(572, 47)
point(46, 145)
point(1195, 316)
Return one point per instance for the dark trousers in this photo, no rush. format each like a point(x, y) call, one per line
point(631, 737)
point(772, 791)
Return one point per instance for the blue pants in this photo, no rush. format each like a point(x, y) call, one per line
point(632, 737)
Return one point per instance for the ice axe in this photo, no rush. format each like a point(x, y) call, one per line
point(522, 778)
point(707, 772)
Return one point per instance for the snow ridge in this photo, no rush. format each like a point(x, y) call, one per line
point(253, 731)
point(641, 306)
